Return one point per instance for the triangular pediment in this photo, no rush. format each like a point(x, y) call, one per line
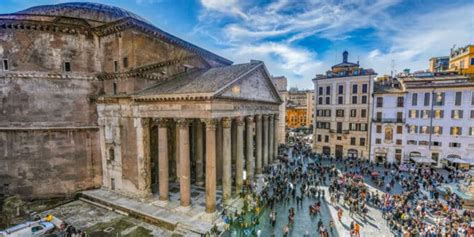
point(255, 86)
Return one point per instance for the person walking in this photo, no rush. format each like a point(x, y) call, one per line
point(339, 214)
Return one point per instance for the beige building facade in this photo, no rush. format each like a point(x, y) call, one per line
point(343, 108)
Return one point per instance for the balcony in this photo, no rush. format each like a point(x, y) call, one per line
point(388, 120)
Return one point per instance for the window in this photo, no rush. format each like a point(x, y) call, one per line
point(378, 141)
point(363, 127)
point(379, 129)
point(438, 98)
point(111, 154)
point(435, 156)
point(116, 67)
point(339, 113)
point(456, 131)
point(424, 129)
point(471, 131)
point(328, 100)
point(413, 113)
point(364, 88)
point(364, 99)
point(320, 90)
point(414, 99)
point(472, 114)
point(425, 114)
point(399, 129)
point(125, 62)
point(354, 89)
point(427, 99)
point(362, 142)
point(399, 141)
point(438, 114)
point(339, 127)
point(319, 137)
point(458, 98)
point(328, 90)
point(353, 141)
point(437, 130)
point(340, 100)
point(353, 113)
point(436, 143)
point(399, 116)
point(378, 116)
point(472, 98)
point(320, 100)
point(379, 102)
point(456, 114)
point(354, 99)
point(5, 65)
point(363, 113)
point(411, 142)
point(412, 129)
point(340, 89)
point(115, 88)
point(423, 143)
point(455, 144)
point(472, 61)
point(67, 66)
point(326, 138)
point(400, 101)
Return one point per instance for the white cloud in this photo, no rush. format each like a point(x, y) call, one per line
point(298, 64)
point(423, 37)
point(271, 32)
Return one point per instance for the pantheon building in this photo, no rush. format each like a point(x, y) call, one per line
point(93, 96)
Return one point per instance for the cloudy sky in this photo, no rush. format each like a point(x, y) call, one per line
point(299, 38)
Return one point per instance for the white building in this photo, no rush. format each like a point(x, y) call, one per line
point(438, 119)
point(342, 110)
point(388, 120)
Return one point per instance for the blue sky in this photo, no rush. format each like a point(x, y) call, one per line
point(299, 38)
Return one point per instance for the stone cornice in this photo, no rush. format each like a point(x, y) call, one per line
point(45, 75)
point(141, 71)
point(22, 24)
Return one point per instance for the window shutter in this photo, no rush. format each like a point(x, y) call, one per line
point(460, 113)
point(460, 130)
point(417, 114)
point(442, 113)
point(440, 130)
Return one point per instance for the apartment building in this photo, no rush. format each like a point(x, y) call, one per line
point(427, 116)
point(342, 110)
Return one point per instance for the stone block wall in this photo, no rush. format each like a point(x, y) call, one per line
point(48, 163)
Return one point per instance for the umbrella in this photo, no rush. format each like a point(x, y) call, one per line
point(375, 173)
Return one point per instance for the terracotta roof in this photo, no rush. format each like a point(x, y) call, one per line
point(205, 81)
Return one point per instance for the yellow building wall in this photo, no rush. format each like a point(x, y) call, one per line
point(296, 117)
point(462, 63)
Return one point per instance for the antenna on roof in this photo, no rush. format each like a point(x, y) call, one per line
point(358, 60)
point(393, 68)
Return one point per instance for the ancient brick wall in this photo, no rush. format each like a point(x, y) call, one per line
point(48, 163)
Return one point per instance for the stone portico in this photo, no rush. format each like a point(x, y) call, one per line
point(202, 128)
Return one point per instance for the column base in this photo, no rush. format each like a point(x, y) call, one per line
point(211, 217)
point(161, 203)
point(183, 209)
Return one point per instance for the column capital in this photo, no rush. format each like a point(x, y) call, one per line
point(182, 122)
point(249, 119)
point(240, 121)
point(276, 117)
point(258, 118)
point(162, 122)
point(226, 122)
point(210, 123)
point(265, 117)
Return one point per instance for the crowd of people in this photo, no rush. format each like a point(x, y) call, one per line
point(408, 200)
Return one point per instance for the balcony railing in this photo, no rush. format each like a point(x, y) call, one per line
point(396, 120)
